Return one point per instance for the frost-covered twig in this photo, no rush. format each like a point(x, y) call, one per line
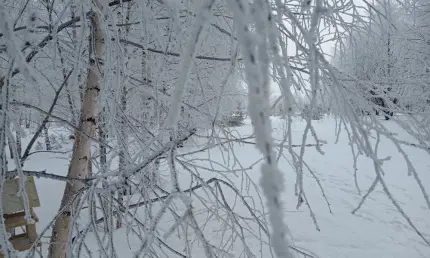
point(202, 16)
point(45, 120)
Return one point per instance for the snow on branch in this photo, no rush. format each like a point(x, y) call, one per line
point(256, 61)
point(203, 16)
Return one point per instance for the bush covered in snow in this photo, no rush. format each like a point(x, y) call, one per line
point(235, 119)
point(316, 114)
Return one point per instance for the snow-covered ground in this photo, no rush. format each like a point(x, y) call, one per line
point(377, 230)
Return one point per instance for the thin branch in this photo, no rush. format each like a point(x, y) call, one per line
point(43, 174)
point(45, 120)
point(210, 58)
point(62, 120)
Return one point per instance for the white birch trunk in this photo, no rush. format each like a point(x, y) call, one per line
point(79, 164)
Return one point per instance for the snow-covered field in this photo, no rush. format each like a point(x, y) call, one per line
point(377, 230)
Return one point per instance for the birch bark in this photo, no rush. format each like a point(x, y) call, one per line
point(79, 164)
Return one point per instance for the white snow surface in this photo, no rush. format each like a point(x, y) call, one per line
point(377, 230)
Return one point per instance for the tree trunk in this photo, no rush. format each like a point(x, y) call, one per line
point(18, 137)
point(27, 120)
point(9, 144)
point(47, 140)
point(73, 8)
point(105, 205)
point(122, 136)
point(102, 139)
point(81, 154)
point(122, 156)
point(17, 111)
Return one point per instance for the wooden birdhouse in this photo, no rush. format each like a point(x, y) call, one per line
point(14, 213)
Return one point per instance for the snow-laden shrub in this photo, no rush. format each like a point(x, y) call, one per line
point(235, 119)
point(316, 114)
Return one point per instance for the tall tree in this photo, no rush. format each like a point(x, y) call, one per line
point(79, 168)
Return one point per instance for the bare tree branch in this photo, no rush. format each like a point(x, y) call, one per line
point(45, 120)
